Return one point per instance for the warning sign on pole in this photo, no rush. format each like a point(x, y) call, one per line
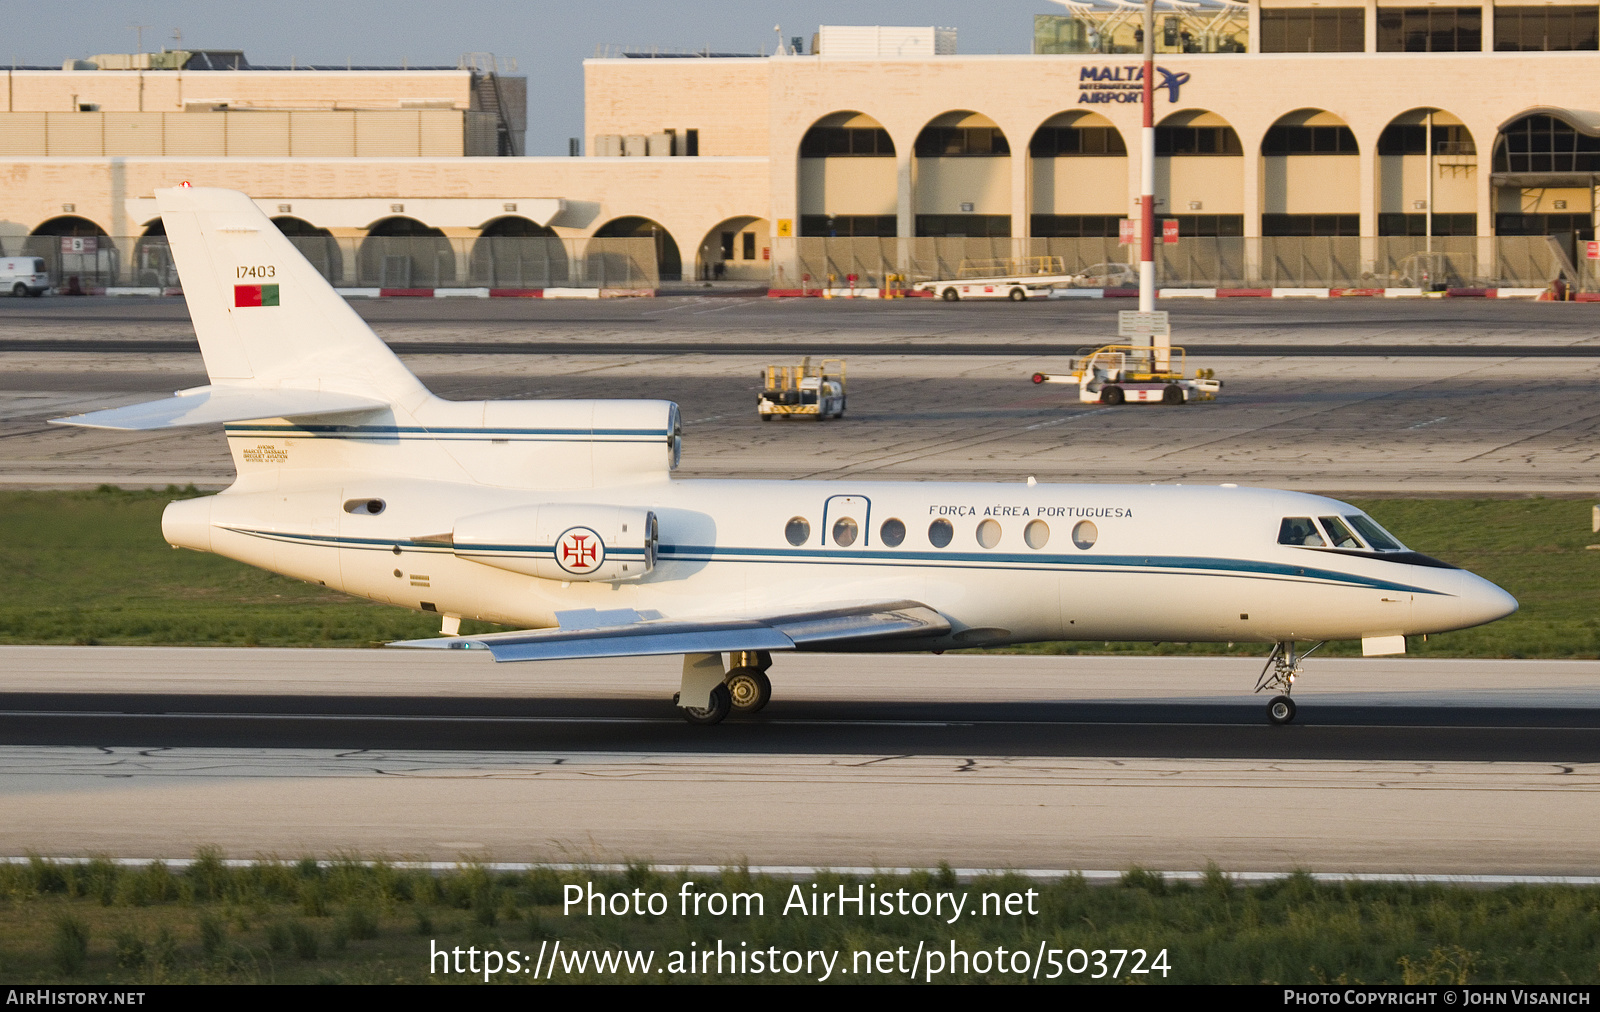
point(1169, 230)
point(1132, 323)
point(1128, 232)
point(1594, 249)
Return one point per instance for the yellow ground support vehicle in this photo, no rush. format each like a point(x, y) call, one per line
point(810, 390)
point(1118, 373)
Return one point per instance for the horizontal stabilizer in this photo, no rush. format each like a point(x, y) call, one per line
point(637, 634)
point(214, 405)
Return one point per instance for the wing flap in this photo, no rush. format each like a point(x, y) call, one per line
point(627, 633)
point(214, 405)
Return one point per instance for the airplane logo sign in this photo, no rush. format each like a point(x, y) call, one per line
point(580, 550)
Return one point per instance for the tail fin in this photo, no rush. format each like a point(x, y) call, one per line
point(264, 316)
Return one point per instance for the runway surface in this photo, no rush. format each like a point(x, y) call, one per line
point(985, 761)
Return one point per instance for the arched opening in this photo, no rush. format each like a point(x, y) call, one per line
point(1200, 174)
point(1543, 176)
point(669, 264)
point(1079, 167)
point(78, 253)
point(962, 173)
point(738, 249)
point(517, 252)
point(405, 253)
point(847, 178)
point(1427, 201)
point(317, 245)
point(1311, 177)
point(152, 258)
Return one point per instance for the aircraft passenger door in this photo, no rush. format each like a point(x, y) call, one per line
point(846, 521)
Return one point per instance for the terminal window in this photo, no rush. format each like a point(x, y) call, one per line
point(1210, 225)
point(1543, 29)
point(1541, 143)
point(847, 225)
point(1313, 30)
point(1197, 140)
point(1075, 226)
point(972, 226)
point(1430, 29)
point(1544, 224)
point(846, 142)
point(1311, 224)
point(1309, 140)
point(1059, 141)
point(956, 142)
point(1412, 139)
point(1417, 224)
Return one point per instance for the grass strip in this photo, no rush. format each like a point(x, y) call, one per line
point(349, 921)
point(91, 567)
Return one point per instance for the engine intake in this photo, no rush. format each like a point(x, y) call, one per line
point(566, 541)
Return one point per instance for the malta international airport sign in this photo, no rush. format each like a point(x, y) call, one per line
point(1125, 83)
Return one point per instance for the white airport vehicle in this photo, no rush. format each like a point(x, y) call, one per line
point(1014, 278)
point(562, 518)
point(803, 391)
point(23, 276)
point(1124, 373)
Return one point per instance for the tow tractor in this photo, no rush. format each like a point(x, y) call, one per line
point(1014, 278)
point(805, 389)
point(1114, 373)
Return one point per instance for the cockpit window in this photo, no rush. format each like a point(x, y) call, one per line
point(1376, 536)
point(1300, 531)
point(1339, 534)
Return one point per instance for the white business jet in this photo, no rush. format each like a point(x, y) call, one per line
point(562, 517)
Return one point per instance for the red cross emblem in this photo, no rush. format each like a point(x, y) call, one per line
point(580, 550)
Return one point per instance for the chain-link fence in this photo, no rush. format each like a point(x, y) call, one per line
point(376, 262)
point(1216, 262)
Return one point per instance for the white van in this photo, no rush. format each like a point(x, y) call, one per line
point(23, 276)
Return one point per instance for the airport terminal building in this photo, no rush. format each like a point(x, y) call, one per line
point(1317, 143)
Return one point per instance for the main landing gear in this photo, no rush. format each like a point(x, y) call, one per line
point(744, 688)
point(1282, 668)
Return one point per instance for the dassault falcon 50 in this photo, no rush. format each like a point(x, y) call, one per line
point(562, 518)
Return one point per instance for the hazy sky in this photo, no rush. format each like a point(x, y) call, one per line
point(548, 40)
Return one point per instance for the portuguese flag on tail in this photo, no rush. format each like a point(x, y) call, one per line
point(255, 295)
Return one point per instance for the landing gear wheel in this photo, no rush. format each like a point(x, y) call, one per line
point(1112, 396)
point(1017, 295)
point(1280, 710)
point(720, 706)
point(750, 689)
point(1173, 394)
point(950, 295)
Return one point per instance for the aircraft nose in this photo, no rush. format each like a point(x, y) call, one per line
point(1482, 601)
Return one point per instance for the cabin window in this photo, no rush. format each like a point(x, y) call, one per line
point(989, 533)
point(1376, 536)
point(1339, 534)
point(940, 533)
point(1085, 534)
point(797, 531)
point(1300, 531)
point(844, 532)
point(1036, 534)
point(366, 507)
point(892, 533)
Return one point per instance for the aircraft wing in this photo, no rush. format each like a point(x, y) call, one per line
point(214, 405)
point(627, 633)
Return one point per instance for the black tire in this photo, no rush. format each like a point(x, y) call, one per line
point(720, 706)
point(749, 688)
point(1017, 295)
point(1280, 710)
point(766, 417)
point(19, 290)
point(950, 295)
point(1112, 396)
point(1173, 394)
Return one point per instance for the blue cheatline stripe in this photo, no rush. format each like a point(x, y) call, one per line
point(1165, 564)
point(372, 431)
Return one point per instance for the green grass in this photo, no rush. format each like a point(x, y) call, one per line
point(350, 922)
point(91, 567)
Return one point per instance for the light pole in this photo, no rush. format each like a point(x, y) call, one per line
point(1147, 168)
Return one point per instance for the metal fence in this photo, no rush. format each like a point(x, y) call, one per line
point(374, 262)
point(1220, 262)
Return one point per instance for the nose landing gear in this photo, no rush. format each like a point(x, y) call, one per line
point(1282, 668)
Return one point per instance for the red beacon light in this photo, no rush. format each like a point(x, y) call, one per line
point(185, 184)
